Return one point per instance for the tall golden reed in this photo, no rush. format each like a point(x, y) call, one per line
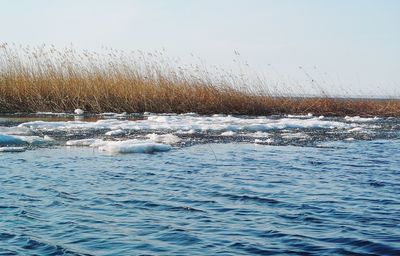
point(48, 79)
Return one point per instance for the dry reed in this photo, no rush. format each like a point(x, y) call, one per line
point(47, 79)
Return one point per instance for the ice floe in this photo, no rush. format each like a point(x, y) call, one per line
point(360, 119)
point(267, 141)
point(258, 134)
point(117, 132)
point(79, 111)
point(228, 133)
point(15, 130)
point(113, 115)
point(113, 132)
point(188, 123)
point(163, 138)
point(83, 142)
point(126, 146)
point(57, 114)
point(6, 139)
point(12, 149)
point(297, 135)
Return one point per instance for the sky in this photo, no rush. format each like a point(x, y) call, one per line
point(350, 46)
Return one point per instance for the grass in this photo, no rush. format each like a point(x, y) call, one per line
point(48, 79)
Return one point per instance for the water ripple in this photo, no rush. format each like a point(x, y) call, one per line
point(248, 200)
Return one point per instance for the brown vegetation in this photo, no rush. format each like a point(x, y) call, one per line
point(47, 79)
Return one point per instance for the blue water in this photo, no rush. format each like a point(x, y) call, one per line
point(338, 198)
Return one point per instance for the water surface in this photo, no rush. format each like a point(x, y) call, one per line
point(319, 194)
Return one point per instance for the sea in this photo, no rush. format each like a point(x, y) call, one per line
point(188, 184)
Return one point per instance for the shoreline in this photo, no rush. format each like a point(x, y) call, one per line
point(249, 105)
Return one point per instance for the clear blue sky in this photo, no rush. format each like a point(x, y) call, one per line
point(354, 44)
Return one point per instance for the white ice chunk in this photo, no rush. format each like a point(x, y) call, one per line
point(79, 111)
point(14, 130)
point(360, 119)
point(356, 129)
point(228, 133)
point(115, 132)
point(12, 149)
point(267, 141)
point(258, 134)
point(133, 146)
point(296, 135)
point(198, 124)
point(164, 138)
point(83, 142)
point(127, 146)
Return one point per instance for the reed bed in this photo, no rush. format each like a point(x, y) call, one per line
point(48, 79)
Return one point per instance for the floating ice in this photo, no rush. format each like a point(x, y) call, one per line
point(14, 130)
point(51, 114)
point(360, 119)
point(356, 129)
point(133, 146)
point(267, 141)
point(12, 149)
point(297, 135)
point(164, 138)
point(79, 111)
point(187, 123)
point(113, 115)
point(126, 146)
point(83, 142)
point(228, 133)
point(115, 132)
point(6, 139)
point(258, 134)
